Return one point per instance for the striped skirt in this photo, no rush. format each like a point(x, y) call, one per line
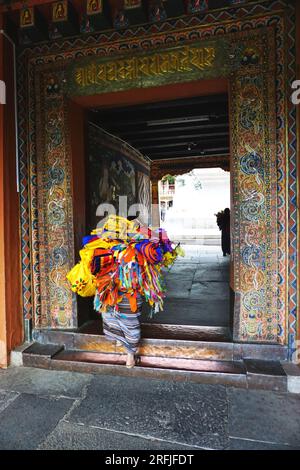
point(124, 325)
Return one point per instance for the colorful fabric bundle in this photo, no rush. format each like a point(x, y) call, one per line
point(151, 251)
point(103, 262)
point(123, 259)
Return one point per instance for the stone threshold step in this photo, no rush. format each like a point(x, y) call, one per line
point(149, 331)
point(89, 341)
point(225, 367)
point(268, 375)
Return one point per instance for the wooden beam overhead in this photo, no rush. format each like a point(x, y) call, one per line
point(17, 5)
point(183, 127)
point(179, 137)
point(172, 130)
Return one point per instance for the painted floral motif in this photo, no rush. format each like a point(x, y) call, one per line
point(56, 214)
point(58, 194)
point(54, 136)
point(58, 257)
point(252, 164)
point(252, 210)
point(56, 176)
point(254, 300)
point(251, 187)
point(253, 236)
point(248, 117)
point(250, 57)
point(52, 87)
point(79, 285)
point(59, 295)
point(252, 278)
point(253, 256)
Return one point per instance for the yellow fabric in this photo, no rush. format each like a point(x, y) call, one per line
point(82, 280)
point(80, 277)
point(169, 258)
point(116, 224)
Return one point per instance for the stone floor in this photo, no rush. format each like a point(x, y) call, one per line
point(197, 289)
point(42, 409)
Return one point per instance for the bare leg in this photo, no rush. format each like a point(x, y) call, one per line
point(130, 362)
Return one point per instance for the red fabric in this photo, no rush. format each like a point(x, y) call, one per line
point(103, 262)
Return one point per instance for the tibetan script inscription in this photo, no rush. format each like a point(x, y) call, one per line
point(187, 59)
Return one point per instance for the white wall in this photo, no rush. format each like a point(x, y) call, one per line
point(193, 210)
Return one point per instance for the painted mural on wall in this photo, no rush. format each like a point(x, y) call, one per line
point(261, 173)
point(111, 173)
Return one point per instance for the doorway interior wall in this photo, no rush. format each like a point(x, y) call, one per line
point(259, 151)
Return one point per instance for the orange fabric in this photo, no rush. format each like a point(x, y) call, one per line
point(129, 254)
point(102, 282)
point(132, 301)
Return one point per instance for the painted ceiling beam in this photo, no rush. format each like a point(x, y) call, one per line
point(179, 137)
point(172, 130)
point(17, 5)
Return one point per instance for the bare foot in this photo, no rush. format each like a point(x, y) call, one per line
point(130, 362)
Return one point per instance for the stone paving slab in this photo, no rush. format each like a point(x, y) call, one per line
point(67, 436)
point(190, 261)
point(180, 277)
point(210, 291)
point(125, 413)
point(244, 444)
point(178, 288)
point(208, 275)
point(182, 269)
point(211, 267)
point(183, 412)
point(43, 382)
point(6, 398)
point(192, 312)
point(264, 416)
point(27, 421)
point(208, 259)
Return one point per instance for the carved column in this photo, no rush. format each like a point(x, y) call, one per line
point(254, 223)
point(55, 206)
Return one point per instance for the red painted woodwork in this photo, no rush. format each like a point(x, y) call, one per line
point(161, 93)
point(11, 328)
point(298, 152)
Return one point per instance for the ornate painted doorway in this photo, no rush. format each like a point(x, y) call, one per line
point(81, 71)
